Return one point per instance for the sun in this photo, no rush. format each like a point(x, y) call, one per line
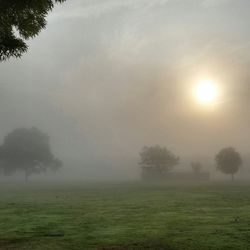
point(206, 92)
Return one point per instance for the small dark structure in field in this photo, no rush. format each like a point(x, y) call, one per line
point(158, 162)
point(188, 176)
point(176, 176)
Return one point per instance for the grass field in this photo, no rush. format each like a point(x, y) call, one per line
point(124, 216)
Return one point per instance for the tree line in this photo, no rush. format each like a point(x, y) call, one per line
point(29, 151)
point(156, 161)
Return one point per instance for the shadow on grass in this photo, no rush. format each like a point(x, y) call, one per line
point(11, 244)
point(17, 244)
point(151, 245)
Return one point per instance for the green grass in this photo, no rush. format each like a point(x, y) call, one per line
point(124, 216)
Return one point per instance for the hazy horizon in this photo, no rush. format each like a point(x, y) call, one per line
point(107, 77)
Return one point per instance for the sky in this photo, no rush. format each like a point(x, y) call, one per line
point(107, 77)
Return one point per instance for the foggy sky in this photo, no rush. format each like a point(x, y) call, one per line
point(109, 76)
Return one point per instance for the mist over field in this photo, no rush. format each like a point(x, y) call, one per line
point(124, 125)
point(107, 77)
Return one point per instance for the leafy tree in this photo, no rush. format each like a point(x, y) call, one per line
point(27, 150)
point(196, 166)
point(156, 160)
point(55, 165)
point(228, 161)
point(19, 21)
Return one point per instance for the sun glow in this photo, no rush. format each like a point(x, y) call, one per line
point(206, 92)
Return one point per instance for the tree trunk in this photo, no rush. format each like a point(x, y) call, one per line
point(232, 177)
point(26, 175)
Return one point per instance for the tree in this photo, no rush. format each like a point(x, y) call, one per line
point(27, 150)
point(156, 160)
point(196, 166)
point(55, 165)
point(228, 161)
point(19, 21)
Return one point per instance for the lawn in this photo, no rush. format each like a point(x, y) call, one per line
point(124, 216)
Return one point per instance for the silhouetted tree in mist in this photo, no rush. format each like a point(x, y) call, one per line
point(156, 160)
point(228, 161)
point(27, 150)
point(55, 165)
point(19, 21)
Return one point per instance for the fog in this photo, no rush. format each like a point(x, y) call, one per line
point(107, 77)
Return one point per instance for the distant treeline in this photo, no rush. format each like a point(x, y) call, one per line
point(157, 163)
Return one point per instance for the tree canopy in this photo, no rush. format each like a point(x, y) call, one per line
point(228, 161)
point(27, 150)
point(19, 21)
point(155, 160)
